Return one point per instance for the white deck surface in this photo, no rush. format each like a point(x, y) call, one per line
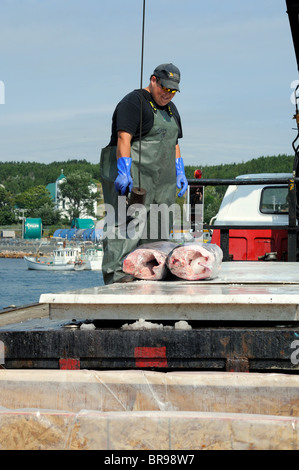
point(265, 291)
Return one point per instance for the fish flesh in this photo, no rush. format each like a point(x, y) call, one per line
point(148, 261)
point(191, 261)
point(194, 261)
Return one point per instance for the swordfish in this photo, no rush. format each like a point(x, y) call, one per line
point(191, 261)
point(195, 261)
point(148, 261)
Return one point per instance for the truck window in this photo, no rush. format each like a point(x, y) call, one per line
point(274, 200)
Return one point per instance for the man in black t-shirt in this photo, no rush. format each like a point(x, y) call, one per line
point(126, 116)
point(161, 168)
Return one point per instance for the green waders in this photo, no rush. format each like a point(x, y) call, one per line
point(158, 178)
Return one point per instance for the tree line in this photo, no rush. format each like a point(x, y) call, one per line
point(23, 185)
point(18, 177)
point(23, 190)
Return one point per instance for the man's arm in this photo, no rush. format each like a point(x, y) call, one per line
point(123, 144)
point(177, 151)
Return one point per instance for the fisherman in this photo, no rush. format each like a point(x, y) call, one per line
point(161, 165)
point(196, 197)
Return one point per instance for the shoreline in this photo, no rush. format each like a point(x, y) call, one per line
point(17, 249)
point(15, 254)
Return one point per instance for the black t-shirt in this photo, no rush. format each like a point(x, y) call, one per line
point(126, 116)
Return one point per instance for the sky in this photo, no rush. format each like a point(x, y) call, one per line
point(65, 64)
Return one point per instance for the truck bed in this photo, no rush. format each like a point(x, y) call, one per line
point(245, 320)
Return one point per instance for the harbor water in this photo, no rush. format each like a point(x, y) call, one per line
point(20, 286)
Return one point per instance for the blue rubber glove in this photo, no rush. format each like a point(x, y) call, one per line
point(181, 180)
point(124, 178)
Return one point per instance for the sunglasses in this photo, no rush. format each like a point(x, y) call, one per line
point(168, 90)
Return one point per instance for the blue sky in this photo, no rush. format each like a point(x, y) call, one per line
point(65, 64)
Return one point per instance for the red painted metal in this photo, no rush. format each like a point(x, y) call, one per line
point(150, 357)
point(69, 364)
point(249, 245)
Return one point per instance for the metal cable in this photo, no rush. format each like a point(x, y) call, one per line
point(141, 95)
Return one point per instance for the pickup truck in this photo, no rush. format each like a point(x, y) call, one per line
point(257, 216)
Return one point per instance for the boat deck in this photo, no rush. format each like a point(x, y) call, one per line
point(243, 291)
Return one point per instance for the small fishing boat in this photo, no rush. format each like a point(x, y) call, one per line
point(92, 259)
point(62, 259)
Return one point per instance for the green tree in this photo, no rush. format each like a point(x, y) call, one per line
point(37, 200)
point(78, 190)
point(7, 214)
point(48, 214)
point(33, 198)
point(212, 201)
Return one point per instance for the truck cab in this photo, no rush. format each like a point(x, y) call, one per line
point(256, 207)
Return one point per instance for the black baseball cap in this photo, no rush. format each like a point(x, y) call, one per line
point(169, 75)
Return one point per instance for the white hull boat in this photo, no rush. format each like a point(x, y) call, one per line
point(92, 259)
point(63, 259)
point(47, 265)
